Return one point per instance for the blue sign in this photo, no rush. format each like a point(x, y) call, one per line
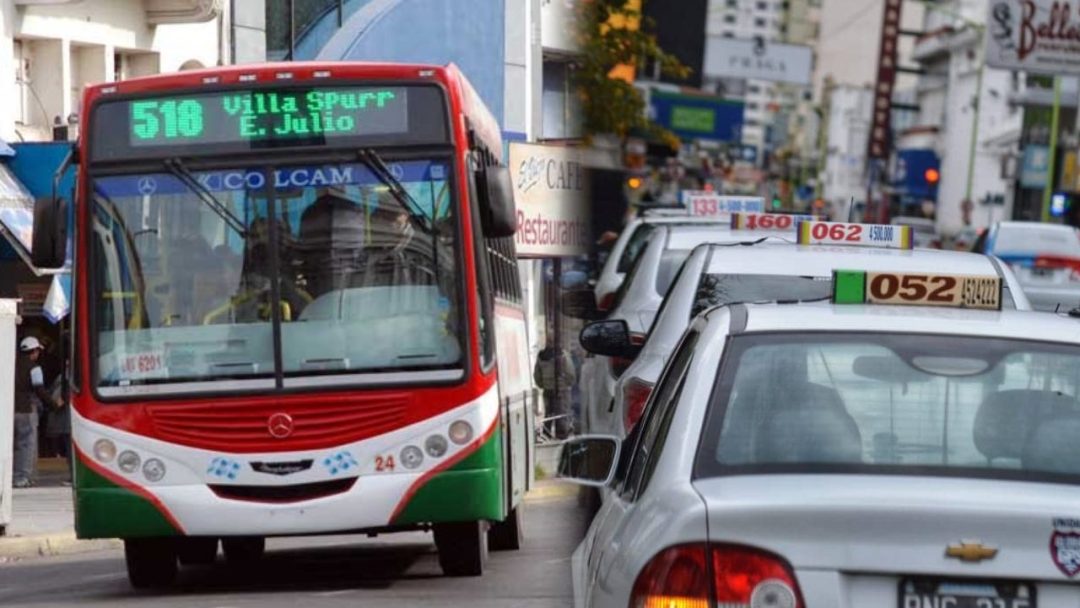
point(910, 177)
point(697, 116)
point(281, 179)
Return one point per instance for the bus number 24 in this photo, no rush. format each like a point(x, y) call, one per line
point(384, 463)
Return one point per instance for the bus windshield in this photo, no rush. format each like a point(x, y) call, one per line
point(193, 270)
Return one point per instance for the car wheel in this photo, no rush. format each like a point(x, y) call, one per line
point(463, 547)
point(151, 562)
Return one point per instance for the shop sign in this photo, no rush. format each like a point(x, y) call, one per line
point(757, 59)
point(551, 194)
point(886, 78)
point(694, 117)
point(1038, 36)
point(1036, 163)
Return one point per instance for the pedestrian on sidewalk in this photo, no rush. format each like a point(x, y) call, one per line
point(30, 397)
point(556, 381)
point(58, 424)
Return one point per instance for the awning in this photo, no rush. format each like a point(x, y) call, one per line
point(17, 220)
point(16, 213)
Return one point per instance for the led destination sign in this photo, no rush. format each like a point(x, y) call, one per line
point(268, 116)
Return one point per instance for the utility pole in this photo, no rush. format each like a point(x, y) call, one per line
point(1055, 112)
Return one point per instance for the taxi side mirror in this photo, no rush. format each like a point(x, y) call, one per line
point(609, 339)
point(589, 460)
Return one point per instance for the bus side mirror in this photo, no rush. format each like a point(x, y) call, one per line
point(497, 212)
point(49, 244)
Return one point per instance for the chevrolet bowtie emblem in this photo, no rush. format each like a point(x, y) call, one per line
point(970, 551)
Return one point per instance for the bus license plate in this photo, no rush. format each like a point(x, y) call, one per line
point(921, 593)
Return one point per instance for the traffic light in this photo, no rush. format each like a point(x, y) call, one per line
point(932, 176)
point(776, 202)
point(634, 182)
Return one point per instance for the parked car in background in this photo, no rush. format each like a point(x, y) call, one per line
point(1045, 258)
point(631, 243)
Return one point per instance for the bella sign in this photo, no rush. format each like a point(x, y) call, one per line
point(1040, 36)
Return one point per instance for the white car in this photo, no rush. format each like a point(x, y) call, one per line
point(847, 455)
point(773, 271)
point(635, 304)
point(631, 243)
point(1046, 258)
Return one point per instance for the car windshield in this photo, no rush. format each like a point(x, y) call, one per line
point(1039, 240)
point(717, 289)
point(895, 403)
point(192, 271)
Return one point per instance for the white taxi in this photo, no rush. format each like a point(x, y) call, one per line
point(848, 454)
point(771, 270)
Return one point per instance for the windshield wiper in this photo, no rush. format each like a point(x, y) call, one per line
point(378, 166)
point(178, 170)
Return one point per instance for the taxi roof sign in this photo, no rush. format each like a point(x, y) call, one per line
point(769, 222)
point(702, 203)
point(914, 289)
point(885, 236)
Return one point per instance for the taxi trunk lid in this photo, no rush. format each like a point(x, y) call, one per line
point(902, 526)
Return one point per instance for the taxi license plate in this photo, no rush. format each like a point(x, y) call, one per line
point(923, 593)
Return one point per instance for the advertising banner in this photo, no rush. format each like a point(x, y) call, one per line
point(550, 191)
point(1038, 36)
point(697, 116)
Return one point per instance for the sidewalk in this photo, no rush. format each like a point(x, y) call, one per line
point(43, 520)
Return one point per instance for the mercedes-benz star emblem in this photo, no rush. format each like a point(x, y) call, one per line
point(147, 186)
point(280, 425)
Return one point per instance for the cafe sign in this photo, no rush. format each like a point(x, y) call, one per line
point(551, 194)
point(1039, 36)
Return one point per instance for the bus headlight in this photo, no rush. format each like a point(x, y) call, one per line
point(435, 446)
point(128, 461)
point(461, 432)
point(104, 450)
point(153, 469)
point(411, 457)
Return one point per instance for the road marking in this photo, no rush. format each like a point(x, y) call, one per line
point(103, 577)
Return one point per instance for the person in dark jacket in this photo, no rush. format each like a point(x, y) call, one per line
point(30, 397)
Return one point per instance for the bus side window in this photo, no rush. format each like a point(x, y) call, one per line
point(486, 322)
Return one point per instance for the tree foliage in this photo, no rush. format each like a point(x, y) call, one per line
point(608, 40)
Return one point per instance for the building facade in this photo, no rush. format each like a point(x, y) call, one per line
point(54, 49)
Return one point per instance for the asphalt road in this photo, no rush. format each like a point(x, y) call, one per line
point(393, 571)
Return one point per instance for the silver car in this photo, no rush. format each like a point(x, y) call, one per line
point(772, 271)
point(845, 456)
point(631, 243)
point(1045, 257)
point(635, 304)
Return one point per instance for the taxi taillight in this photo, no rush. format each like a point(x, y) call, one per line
point(704, 576)
point(678, 577)
point(635, 395)
point(606, 302)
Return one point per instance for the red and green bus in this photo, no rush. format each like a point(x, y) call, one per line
point(297, 311)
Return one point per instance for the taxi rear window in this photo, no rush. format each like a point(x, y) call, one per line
point(717, 289)
point(893, 403)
